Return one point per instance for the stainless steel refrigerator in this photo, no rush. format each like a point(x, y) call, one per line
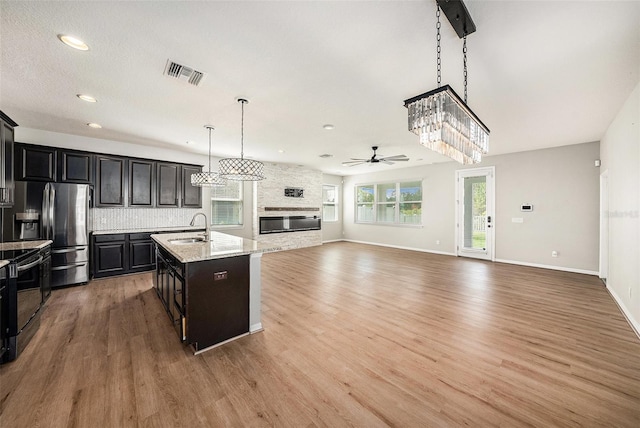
point(55, 211)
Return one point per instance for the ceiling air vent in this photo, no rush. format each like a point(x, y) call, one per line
point(183, 72)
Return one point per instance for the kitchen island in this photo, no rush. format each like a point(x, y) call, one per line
point(210, 288)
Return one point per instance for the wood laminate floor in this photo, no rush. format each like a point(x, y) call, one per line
point(354, 335)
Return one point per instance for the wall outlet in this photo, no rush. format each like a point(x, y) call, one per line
point(554, 254)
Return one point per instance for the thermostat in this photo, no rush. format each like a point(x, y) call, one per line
point(526, 207)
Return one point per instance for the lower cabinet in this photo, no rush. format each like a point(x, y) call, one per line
point(123, 253)
point(109, 255)
point(207, 301)
point(142, 256)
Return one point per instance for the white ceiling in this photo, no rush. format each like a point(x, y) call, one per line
point(541, 73)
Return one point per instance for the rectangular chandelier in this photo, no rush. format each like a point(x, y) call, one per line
point(446, 125)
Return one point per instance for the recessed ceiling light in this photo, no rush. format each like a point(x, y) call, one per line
point(73, 42)
point(94, 125)
point(87, 98)
point(328, 127)
point(326, 155)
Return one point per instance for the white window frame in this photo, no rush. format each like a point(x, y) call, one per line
point(239, 199)
point(335, 204)
point(376, 203)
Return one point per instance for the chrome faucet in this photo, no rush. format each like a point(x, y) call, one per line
point(206, 224)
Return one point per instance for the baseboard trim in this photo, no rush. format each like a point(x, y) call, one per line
point(635, 325)
point(539, 265)
point(422, 250)
point(332, 240)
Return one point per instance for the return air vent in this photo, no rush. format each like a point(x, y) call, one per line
point(184, 73)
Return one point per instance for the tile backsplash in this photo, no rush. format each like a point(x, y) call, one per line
point(138, 218)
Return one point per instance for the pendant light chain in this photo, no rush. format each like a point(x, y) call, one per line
point(210, 128)
point(464, 54)
point(242, 132)
point(438, 43)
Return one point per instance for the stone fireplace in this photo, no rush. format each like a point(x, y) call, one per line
point(289, 201)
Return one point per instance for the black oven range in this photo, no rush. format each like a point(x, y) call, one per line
point(27, 287)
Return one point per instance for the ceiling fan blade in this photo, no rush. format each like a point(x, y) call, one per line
point(397, 157)
point(359, 159)
point(385, 161)
point(353, 163)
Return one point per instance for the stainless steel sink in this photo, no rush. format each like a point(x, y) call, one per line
point(184, 241)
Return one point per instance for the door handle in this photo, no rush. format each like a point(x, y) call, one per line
point(30, 265)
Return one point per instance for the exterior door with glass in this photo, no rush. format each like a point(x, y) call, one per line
point(475, 213)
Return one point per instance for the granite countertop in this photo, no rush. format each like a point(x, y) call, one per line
point(148, 229)
point(22, 245)
point(220, 246)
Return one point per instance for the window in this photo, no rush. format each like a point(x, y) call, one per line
point(226, 204)
point(389, 203)
point(329, 202)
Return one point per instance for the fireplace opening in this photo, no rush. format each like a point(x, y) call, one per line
point(289, 224)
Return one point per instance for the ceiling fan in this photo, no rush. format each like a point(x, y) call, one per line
point(389, 160)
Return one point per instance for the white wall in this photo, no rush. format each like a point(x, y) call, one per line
point(332, 231)
point(562, 183)
point(620, 152)
point(55, 139)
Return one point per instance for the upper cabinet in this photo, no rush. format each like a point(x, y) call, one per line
point(111, 179)
point(35, 163)
point(75, 166)
point(6, 160)
point(117, 181)
point(141, 183)
point(191, 195)
point(168, 186)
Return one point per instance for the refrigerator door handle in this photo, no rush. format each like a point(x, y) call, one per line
point(45, 212)
point(52, 216)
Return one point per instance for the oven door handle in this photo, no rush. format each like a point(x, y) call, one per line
point(30, 265)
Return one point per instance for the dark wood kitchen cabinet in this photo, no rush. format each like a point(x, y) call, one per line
point(123, 253)
point(142, 254)
point(6, 160)
point(111, 181)
point(207, 301)
point(35, 163)
point(109, 255)
point(141, 183)
point(191, 196)
point(168, 185)
point(75, 166)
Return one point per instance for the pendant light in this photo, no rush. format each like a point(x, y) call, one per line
point(209, 178)
point(241, 169)
point(442, 120)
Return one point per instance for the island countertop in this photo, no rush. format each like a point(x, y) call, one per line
point(219, 246)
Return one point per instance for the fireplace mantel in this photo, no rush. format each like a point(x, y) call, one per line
point(291, 209)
